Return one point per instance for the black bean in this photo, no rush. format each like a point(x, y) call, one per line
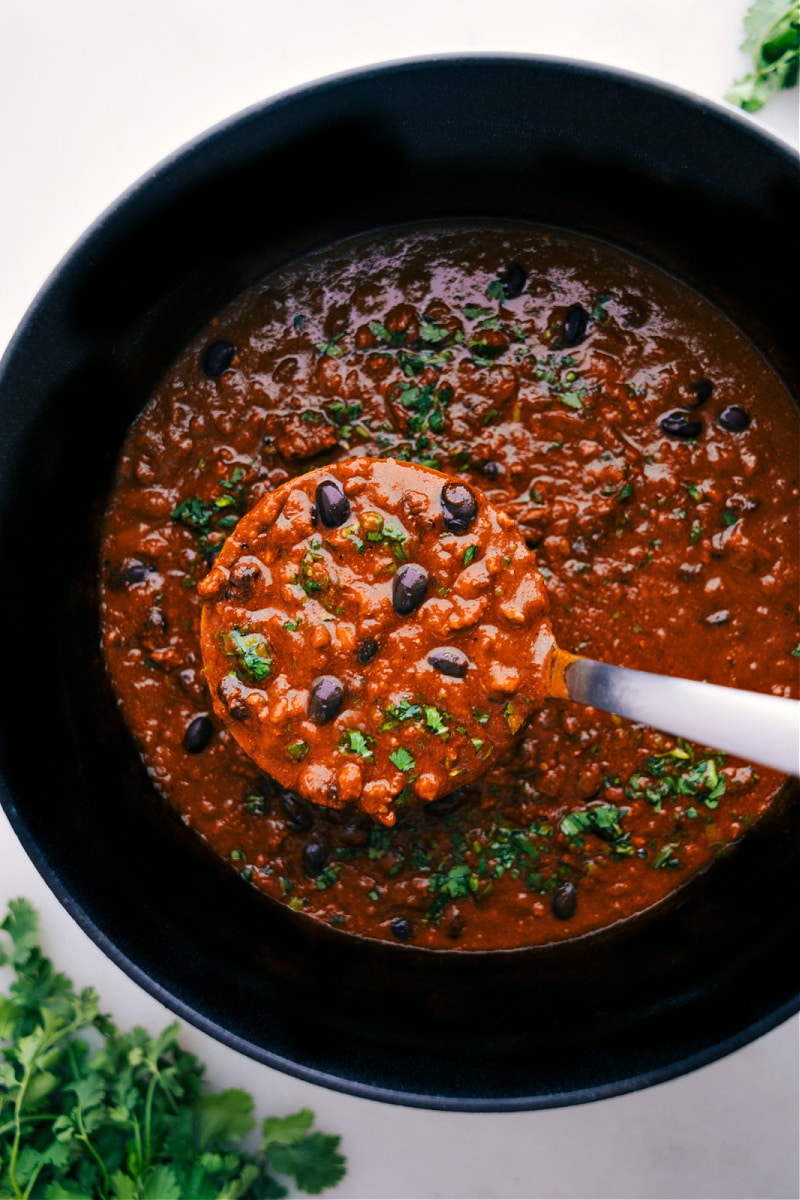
point(734, 419)
point(491, 469)
point(332, 504)
point(402, 929)
point(513, 280)
point(702, 390)
point(129, 573)
point(198, 734)
point(449, 661)
point(409, 588)
point(575, 325)
point(315, 857)
point(367, 651)
point(564, 902)
point(459, 506)
point(325, 701)
point(217, 357)
point(298, 812)
point(680, 424)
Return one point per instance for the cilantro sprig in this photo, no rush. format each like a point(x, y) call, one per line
point(772, 40)
point(89, 1111)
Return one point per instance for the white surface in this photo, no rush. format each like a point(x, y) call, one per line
point(92, 94)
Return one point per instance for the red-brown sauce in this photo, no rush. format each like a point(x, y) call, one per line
point(645, 449)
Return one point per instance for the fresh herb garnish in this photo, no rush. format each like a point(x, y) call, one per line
point(313, 576)
point(89, 1111)
point(469, 555)
point(403, 759)
point(406, 709)
point(605, 821)
point(376, 528)
point(435, 721)
point(333, 348)
point(772, 40)
point(665, 860)
point(252, 652)
point(395, 337)
point(356, 742)
point(675, 774)
point(194, 513)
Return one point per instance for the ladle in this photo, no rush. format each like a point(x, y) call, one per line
point(362, 617)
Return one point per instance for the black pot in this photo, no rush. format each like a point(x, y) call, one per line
point(698, 190)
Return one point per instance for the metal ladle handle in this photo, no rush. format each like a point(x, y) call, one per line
point(758, 728)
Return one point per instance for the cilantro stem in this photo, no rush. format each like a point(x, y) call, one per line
point(84, 1133)
point(47, 1042)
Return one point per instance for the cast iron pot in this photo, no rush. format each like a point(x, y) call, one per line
point(697, 189)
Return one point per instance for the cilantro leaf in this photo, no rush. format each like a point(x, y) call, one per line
point(358, 743)
point(772, 40)
point(313, 1162)
point(403, 759)
point(252, 652)
point(224, 1116)
point(130, 1117)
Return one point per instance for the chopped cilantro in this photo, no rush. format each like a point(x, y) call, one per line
point(665, 860)
point(405, 710)
point(469, 555)
point(333, 347)
point(298, 750)
point(194, 513)
point(389, 337)
point(403, 759)
point(604, 820)
point(677, 773)
point(358, 743)
point(434, 720)
point(433, 334)
point(252, 652)
point(326, 878)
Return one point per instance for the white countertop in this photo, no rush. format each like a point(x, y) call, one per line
point(93, 94)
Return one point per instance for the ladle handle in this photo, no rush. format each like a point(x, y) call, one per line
point(762, 729)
